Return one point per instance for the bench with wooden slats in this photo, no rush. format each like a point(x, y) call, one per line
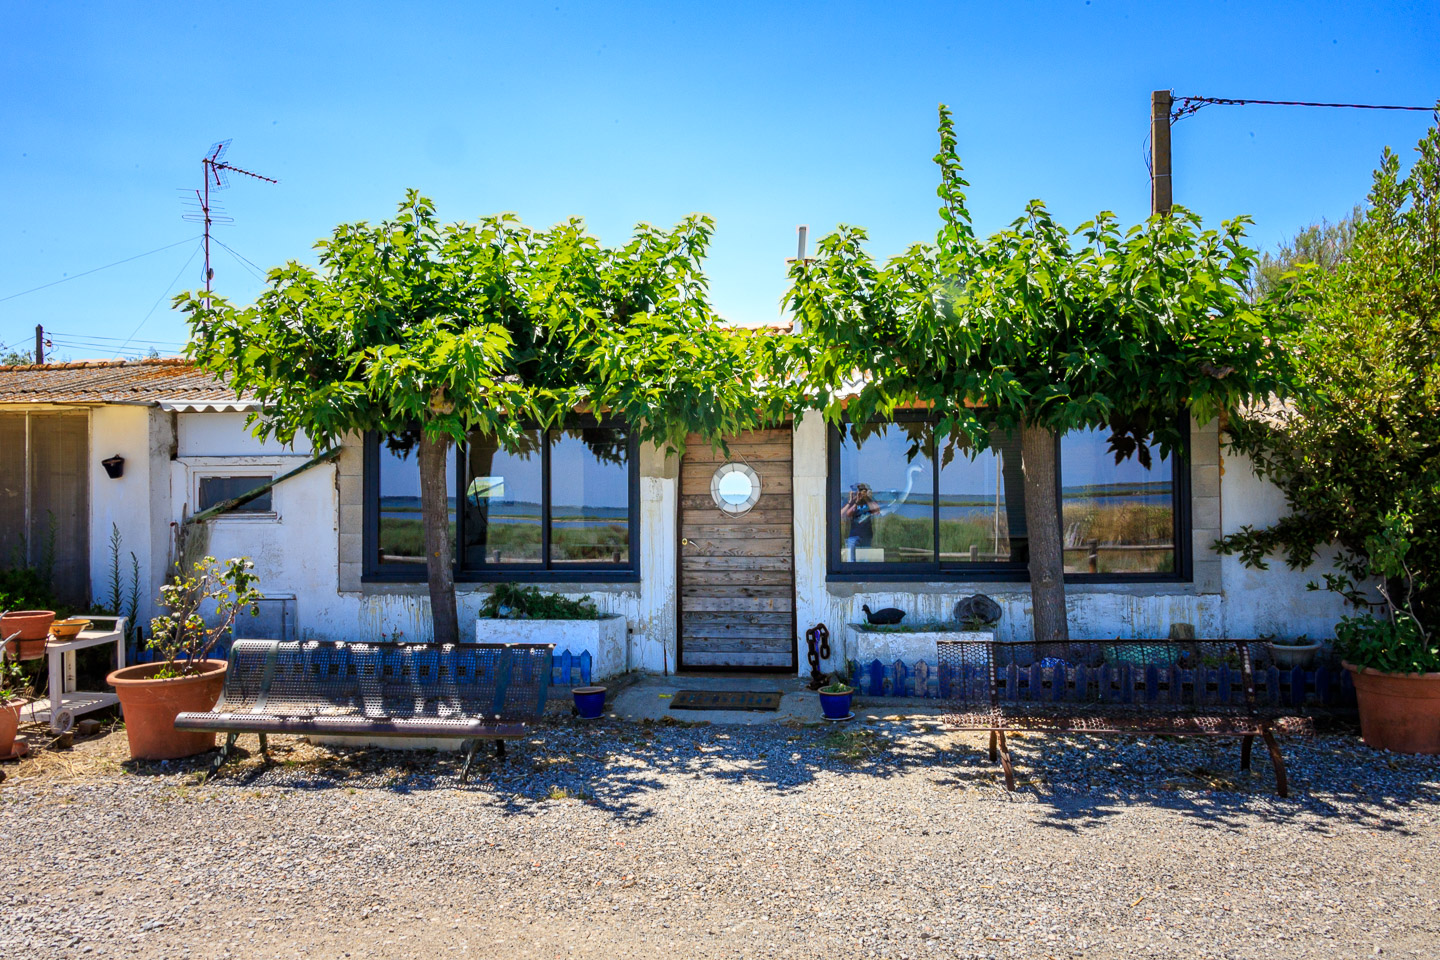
point(470, 692)
point(1172, 687)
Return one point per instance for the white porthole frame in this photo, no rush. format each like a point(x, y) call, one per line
point(735, 509)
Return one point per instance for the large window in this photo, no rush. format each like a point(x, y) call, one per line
point(563, 505)
point(906, 503)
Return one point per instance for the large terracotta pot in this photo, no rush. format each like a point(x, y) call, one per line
point(9, 725)
point(34, 628)
point(150, 707)
point(1398, 711)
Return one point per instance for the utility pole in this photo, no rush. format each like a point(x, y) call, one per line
point(1160, 196)
point(39, 343)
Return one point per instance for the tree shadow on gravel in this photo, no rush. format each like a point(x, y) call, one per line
point(615, 767)
point(1078, 782)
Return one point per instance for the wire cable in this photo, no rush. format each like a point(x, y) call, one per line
point(98, 269)
point(1186, 106)
point(257, 270)
point(162, 296)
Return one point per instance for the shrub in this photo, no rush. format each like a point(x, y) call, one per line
point(512, 602)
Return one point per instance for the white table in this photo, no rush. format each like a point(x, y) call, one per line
point(65, 703)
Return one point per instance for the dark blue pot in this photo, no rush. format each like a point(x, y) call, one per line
point(836, 706)
point(589, 702)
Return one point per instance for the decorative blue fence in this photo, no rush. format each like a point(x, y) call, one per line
point(1325, 686)
point(566, 669)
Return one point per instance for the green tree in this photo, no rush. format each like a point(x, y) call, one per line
point(1041, 330)
point(1356, 454)
point(428, 334)
point(1322, 245)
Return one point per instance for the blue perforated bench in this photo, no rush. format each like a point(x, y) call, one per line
point(470, 692)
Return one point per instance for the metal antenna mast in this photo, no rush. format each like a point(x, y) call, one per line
point(214, 168)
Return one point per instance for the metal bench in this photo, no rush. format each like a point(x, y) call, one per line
point(1172, 687)
point(470, 692)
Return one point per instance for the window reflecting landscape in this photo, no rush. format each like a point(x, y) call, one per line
point(402, 533)
point(887, 493)
point(1117, 518)
point(590, 495)
point(503, 494)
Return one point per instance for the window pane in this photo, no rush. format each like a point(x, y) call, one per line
point(1118, 518)
point(502, 502)
point(590, 495)
point(215, 490)
point(887, 499)
point(982, 504)
point(402, 534)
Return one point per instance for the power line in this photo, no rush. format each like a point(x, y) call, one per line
point(257, 271)
point(90, 336)
point(98, 269)
point(161, 297)
point(1186, 106)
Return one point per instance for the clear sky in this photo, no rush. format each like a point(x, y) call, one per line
point(763, 115)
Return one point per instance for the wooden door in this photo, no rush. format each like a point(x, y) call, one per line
point(737, 573)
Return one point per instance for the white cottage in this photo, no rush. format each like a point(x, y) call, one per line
point(715, 563)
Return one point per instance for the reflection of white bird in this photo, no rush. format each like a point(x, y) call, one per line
point(909, 485)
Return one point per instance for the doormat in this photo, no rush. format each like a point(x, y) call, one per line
point(726, 700)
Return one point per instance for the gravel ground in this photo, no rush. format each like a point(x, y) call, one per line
point(891, 839)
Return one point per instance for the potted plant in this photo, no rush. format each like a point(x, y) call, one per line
point(1394, 660)
point(589, 702)
point(835, 696)
point(11, 700)
point(185, 680)
point(1291, 652)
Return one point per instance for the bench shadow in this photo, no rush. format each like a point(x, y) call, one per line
point(1077, 782)
point(1073, 782)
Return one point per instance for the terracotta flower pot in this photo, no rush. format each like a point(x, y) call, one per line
point(9, 724)
point(150, 707)
point(1398, 711)
point(33, 627)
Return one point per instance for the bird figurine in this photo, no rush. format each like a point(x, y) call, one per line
point(883, 617)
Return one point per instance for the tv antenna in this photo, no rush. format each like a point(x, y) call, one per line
point(217, 172)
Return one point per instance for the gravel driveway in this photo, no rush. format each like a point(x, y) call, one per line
point(892, 839)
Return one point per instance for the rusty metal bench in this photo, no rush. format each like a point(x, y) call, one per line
point(1121, 687)
point(470, 692)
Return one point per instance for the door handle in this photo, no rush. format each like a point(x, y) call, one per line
point(684, 541)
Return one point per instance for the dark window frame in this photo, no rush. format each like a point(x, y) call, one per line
point(248, 510)
point(546, 571)
point(990, 572)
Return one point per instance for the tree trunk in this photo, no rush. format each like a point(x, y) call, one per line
point(439, 552)
point(1042, 522)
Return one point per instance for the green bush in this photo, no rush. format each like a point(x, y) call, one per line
point(22, 588)
point(512, 602)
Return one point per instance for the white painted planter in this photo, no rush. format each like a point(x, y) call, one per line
point(865, 643)
point(604, 639)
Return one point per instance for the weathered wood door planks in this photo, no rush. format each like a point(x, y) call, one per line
point(737, 580)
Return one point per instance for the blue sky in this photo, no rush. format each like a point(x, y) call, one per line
point(763, 115)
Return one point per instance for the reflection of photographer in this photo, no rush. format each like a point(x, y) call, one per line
point(860, 509)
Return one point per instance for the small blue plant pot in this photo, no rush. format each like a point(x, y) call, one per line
point(589, 702)
point(836, 706)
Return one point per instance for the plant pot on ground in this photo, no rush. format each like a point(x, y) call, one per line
point(184, 680)
point(1395, 664)
point(836, 696)
point(589, 702)
point(11, 700)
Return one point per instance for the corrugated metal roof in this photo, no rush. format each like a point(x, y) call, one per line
point(172, 379)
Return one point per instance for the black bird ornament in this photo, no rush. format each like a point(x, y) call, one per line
point(884, 617)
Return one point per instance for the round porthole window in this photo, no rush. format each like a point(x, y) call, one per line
point(735, 488)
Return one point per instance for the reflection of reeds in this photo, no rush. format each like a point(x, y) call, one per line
point(1117, 523)
point(572, 539)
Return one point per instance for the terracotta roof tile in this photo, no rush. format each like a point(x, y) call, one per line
point(111, 381)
